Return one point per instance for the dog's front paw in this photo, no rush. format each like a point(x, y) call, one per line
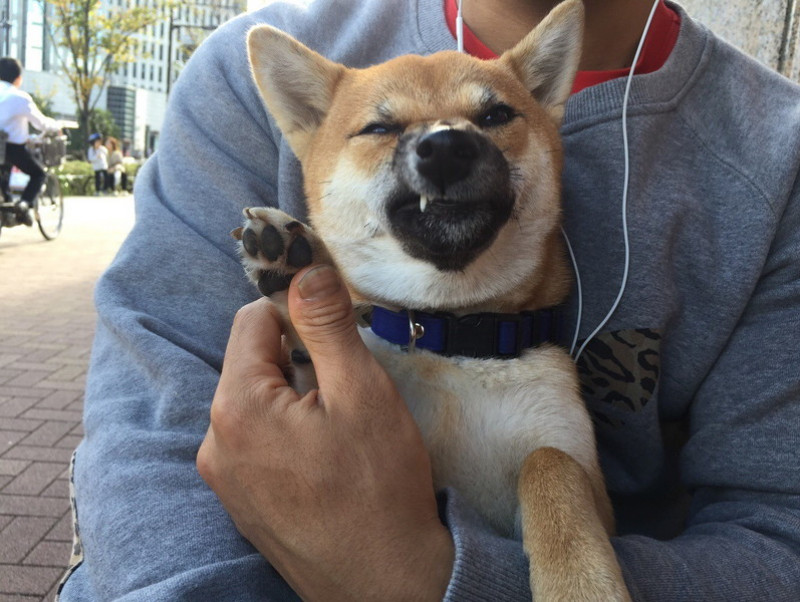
point(275, 246)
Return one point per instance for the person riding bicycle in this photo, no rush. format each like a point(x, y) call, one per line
point(17, 110)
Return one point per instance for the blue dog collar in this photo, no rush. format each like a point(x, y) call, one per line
point(481, 335)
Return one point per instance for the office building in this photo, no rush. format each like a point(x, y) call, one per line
point(136, 94)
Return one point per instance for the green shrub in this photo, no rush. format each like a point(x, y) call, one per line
point(132, 169)
point(77, 177)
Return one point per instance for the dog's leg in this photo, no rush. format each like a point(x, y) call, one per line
point(565, 532)
point(274, 247)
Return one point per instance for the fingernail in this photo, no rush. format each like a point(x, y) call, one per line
point(319, 282)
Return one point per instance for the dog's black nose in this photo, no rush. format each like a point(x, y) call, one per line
point(446, 156)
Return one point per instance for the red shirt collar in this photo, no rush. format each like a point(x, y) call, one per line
point(658, 46)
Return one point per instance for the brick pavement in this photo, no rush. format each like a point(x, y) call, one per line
point(46, 328)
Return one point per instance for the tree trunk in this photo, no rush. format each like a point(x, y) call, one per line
point(78, 138)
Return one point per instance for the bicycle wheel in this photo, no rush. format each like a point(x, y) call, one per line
point(50, 208)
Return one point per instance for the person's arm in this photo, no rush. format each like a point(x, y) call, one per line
point(151, 529)
point(38, 120)
point(742, 540)
point(742, 537)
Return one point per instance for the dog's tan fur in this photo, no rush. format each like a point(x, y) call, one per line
point(513, 436)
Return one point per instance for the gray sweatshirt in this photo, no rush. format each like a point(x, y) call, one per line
point(694, 382)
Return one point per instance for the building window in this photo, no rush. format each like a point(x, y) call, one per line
point(34, 37)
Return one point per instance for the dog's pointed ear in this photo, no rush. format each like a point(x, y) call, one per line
point(296, 83)
point(546, 60)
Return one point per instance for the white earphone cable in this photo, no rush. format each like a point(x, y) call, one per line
point(460, 28)
point(626, 182)
point(580, 291)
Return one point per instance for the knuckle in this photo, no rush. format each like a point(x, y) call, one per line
point(206, 466)
point(226, 416)
point(239, 412)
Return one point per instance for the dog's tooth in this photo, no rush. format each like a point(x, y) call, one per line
point(423, 202)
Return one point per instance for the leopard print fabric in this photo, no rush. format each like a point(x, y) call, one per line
point(619, 373)
point(76, 557)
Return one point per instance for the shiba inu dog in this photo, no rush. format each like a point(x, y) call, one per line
point(433, 185)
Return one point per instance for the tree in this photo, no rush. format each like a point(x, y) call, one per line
point(44, 102)
point(102, 122)
point(97, 38)
point(194, 22)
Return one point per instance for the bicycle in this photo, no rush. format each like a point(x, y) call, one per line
point(48, 206)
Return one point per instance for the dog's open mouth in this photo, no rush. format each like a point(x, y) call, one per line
point(448, 232)
point(415, 203)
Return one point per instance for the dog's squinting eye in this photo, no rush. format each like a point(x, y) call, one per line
point(379, 129)
point(499, 114)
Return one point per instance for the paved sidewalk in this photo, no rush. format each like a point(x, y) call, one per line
point(46, 328)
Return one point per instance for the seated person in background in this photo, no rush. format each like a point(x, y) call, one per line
point(117, 177)
point(17, 110)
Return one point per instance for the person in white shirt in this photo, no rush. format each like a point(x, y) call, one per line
point(98, 157)
point(17, 111)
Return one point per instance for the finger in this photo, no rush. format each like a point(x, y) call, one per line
point(322, 313)
point(254, 347)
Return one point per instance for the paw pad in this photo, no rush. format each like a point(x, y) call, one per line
point(299, 253)
point(271, 242)
point(250, 242)
point(274, 248)
point(272, 282)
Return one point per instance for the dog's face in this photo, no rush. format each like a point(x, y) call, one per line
point(433, 181)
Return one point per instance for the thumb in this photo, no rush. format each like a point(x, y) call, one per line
point(322, 314)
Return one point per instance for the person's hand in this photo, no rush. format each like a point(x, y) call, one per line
point(334, 488)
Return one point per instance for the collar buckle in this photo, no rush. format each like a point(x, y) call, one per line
point(472, 336)
point(415, 331)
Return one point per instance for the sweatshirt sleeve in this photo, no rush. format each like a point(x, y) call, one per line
point(150, 527)
point(742, 536)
